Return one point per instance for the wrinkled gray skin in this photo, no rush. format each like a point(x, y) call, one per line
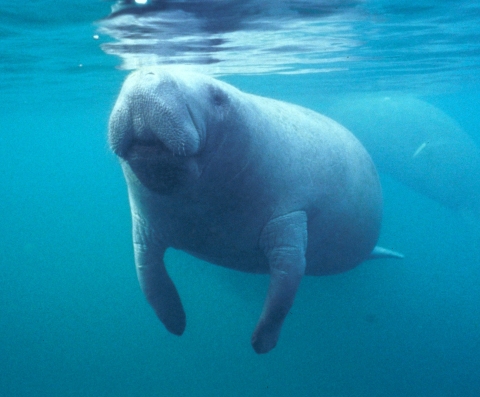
point(243, 182)
point(417, 144)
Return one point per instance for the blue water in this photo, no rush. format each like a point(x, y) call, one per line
point(73, 320)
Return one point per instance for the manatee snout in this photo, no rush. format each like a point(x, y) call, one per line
point(151, 112)
point(155, 131)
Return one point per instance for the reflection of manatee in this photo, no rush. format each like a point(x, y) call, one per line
point(243, 182)
point(417, 144)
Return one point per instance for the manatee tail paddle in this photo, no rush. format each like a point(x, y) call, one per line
point(380, 252)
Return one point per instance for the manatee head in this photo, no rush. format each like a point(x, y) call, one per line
point(158, 126)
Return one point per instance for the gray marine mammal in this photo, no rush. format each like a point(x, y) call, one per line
point(417, 144)
point(241, 181)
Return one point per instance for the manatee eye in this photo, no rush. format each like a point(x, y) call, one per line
point(218, 96)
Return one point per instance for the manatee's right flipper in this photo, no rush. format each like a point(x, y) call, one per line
point(380, 252)
point(154, 279)
point(284, 241)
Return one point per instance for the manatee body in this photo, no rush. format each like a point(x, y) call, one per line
point(417, 144)
point(241, 181)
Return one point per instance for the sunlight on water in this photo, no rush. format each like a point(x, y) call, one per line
point(243, 51)
point(400, 44)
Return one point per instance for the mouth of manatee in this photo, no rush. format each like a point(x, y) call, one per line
point(157, 168)
point(147, 151)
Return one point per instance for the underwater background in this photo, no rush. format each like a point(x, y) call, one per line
point(73, 321)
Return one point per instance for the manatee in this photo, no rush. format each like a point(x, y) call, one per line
point(240, 181)
point(417, 144)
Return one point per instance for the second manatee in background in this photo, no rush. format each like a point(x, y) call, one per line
point(417, 144)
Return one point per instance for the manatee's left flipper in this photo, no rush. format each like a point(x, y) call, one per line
point(154, 280)
point(284, 241)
